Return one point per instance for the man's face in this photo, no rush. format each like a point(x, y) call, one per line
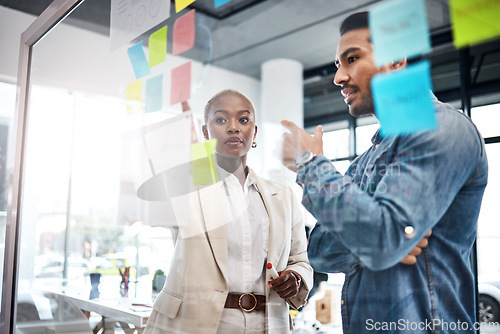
point(355, 69)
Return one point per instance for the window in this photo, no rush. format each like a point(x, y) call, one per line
point(336, 144)
point(487, 119)
point(7, 106)
point(364, 134)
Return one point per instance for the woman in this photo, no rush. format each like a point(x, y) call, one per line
point(218, 282)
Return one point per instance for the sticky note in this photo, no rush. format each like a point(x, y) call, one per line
point(181, 4)
point(403, 100)
point(133, 97)
point(204, 163)
point(154, 93)
point(158, 47)
point(398, 29)
point(474, 21)
point(183, 36)
point(218, 3)
point(138, 60)
point(180, 89)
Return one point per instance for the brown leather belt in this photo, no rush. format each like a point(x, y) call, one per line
point(247, 302)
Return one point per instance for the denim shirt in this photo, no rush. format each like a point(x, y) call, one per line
point(370, 218)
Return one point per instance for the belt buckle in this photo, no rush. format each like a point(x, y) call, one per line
point(247, 309)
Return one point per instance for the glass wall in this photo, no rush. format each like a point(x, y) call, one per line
point(92, 144)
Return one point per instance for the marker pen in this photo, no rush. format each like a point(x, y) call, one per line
point(274, 273)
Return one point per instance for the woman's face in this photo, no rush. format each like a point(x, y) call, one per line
point(231, 120)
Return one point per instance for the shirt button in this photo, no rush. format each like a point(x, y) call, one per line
point(409, 232)
point(342, 302)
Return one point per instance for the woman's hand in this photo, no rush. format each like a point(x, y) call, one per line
point(287, 285)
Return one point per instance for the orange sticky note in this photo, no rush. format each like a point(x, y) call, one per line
point(181, 4)
point(183, 36)
point(180, 89)
point(158, 47)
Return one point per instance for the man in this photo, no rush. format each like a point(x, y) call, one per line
point(370, 218)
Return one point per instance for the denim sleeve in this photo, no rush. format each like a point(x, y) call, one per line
point(381, 226)
point(327, 254)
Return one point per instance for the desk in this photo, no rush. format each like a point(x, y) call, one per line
point(114, 311)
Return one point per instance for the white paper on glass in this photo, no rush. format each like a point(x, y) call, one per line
point(131, 18)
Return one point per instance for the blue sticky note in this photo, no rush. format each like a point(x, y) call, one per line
point(403, 100)
point(138, 60)
point(218, 3)
point(398, 29)
point(154, 93)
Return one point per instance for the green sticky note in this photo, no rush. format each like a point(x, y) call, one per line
point(474, 21)
point(158, 47)
point(204, 163)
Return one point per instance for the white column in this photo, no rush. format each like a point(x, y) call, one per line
point(282, 97)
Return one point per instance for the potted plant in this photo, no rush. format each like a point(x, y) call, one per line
point(159, 280)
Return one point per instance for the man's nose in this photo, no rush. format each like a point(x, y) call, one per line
point(340, 77)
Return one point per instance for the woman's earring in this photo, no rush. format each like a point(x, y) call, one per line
point(254, 144)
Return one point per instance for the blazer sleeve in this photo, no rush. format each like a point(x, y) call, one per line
point(297, 260)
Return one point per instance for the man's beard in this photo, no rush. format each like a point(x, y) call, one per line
point(363, 107)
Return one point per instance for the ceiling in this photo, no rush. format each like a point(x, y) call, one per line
point(242, 34)
point(245, 33)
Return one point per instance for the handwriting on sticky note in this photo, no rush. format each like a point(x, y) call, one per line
point(138, 60)
point(184, 33)
point(180, 88)
point(403, 100)
point(158, 47)
point(474, 21)
point(399, 29)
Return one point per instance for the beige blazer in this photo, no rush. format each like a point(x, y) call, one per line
point(193, 297)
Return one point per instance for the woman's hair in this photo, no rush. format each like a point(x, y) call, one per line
point(220, 94)
point(353, 22)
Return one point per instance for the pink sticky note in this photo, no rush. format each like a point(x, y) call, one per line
point(183, 38)
point(180, 89)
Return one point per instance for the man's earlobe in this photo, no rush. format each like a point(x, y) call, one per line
point(399, 64)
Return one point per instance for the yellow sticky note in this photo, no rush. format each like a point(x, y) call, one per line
point(474, 21)
point(133, 97)
point(181, 4)
point(158, 47)
point(204, 163)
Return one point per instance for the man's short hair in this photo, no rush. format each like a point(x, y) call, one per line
point(353, 22)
